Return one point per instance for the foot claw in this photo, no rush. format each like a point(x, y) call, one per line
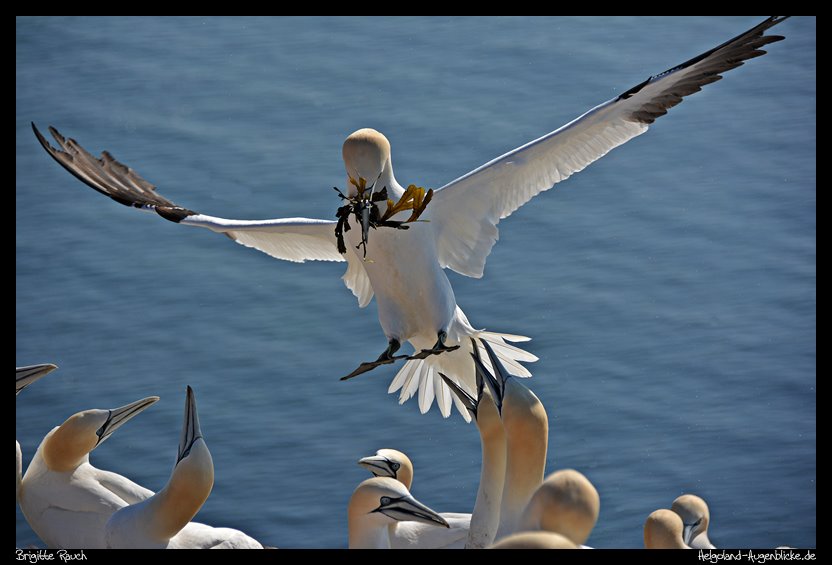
point(425, 353)
point(367, 367)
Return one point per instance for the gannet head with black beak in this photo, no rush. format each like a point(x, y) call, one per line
point(663, 530)
point(695, 516)
point(390, 463)
point(69, 445)
point(378, 502)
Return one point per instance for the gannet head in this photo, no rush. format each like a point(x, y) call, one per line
point(66, 446)
point(534, 540)
point(367, 158)
point(383, 501)
point(663, 530)
point(390, 463)
point(193, 472)
point(566, 503)
point(29, 374)
point(694, 514)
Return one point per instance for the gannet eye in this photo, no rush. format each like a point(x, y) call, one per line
point(395, 466)
point(385, 500)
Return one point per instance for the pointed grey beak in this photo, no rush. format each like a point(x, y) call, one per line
point(190, 427)
point(496, 384)
point(468, 401)
point(120, 416)
point(408, 508)
point(686, 534)
point(379, 466)
point(31, 373)
point(365, 222)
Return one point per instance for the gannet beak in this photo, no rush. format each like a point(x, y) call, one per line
point(190, 427)
point(29, 374)
point(495, 384)
point(365, 223)
point(119, 416)
point(379, 466)
point(408, 508)
point(687, 533)
point(468, 401)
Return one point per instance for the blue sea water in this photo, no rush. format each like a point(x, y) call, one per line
point(670, 288)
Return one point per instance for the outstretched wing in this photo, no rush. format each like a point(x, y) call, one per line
point(466, 211)
point(290, 239)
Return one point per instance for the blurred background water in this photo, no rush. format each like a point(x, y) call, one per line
point(670, 288)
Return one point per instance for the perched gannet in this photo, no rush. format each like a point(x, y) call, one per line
point(64, 498)
point(404, 268)
point(663, 530)
point(695, 516)
point(485, 519)
point(527, 438)
point(24, 377)
point(163, 521)
point(416, 535)
point(378, 502)
point(566, 503)
point(535, 540)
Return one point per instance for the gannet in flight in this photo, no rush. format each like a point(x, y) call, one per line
point(163, 521)
point(405, 268)
point(64, 498)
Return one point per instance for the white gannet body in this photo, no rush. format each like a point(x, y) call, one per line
point(404, 268)
point(695, 516)
point(526, 428)
point(663, 530)
point(416, 535)
point(163, 521)
point(23, 378)
point(64, 498)
point(376, 504)
point(566, 503)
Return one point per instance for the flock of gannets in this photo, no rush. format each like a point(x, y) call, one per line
point(69, 503)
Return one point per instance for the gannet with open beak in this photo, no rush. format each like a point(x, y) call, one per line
point(695, 516)
point(663, 530)
point(64, 498)
point(378, 502)
point(416, 535)
point(24, 377)
point(485, 519)
point(404, 268)
point(526, 427)
point(163, 521)
point(566, 503)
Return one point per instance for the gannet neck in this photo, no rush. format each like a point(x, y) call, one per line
point(485, 519)
point(696, 517)
point(189, 486)
point(68, 446)
point(18, 468)
point(663, 530)
point(527, 437)
point(566, 503)
point(366, 154)
point(390, 463)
